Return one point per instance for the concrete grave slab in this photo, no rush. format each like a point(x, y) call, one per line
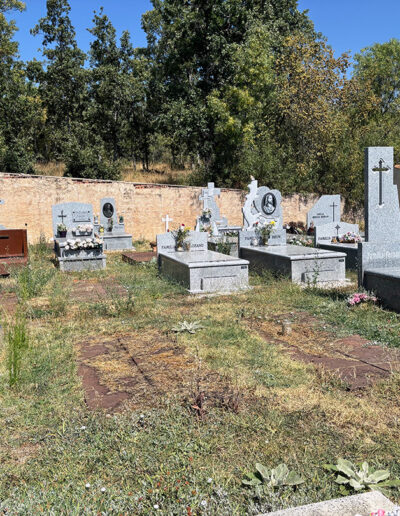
point(301, 264)
point(362, 504)
point(200, 270)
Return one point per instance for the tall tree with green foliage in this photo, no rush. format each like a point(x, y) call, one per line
point(192, 45)
point(61, 79)
point(20, 108)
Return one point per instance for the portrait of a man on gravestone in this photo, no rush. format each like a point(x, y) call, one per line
point(108, 210)
point(269, 203)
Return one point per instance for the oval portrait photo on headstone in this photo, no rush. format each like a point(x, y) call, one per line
point(268, 203)
point(108, 210)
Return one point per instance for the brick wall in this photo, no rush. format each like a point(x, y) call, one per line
point(28, 201)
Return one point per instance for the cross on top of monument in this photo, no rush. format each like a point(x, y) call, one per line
point(380, 169)
point(167, 220)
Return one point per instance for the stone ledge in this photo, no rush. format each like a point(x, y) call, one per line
point(362, 504)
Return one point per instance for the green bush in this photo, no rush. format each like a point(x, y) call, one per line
point(91, 163)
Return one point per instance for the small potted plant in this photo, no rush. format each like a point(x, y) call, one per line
point(264, 231)
point(180, 236)
point(62, 230)
point(121, 219)
point(206, 214)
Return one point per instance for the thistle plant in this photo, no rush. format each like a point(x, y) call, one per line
point(280, 476)
point(361, 478)
point(190, 327)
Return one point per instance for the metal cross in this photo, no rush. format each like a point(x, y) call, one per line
point(337, 227)
point(333, 206)
point(62, 216)
point(167, 220)
point(380, 169)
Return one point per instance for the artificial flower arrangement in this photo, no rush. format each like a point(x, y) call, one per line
point(349, 238)
point(359, 298)
point(305, 242)
point(87, 243)
point(82, 228)
point(180, 236)
point(265, 230)
point(206, 213)
point(62, 230)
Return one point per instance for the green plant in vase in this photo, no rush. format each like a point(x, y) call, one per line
point(180, 236)
point(62, 230)
point(264, 230)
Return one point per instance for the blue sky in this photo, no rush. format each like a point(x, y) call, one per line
point(349, 25)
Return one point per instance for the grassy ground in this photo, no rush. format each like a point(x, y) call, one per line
point(160, 173)
point(163, 458)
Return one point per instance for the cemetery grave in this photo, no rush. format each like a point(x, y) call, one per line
point(379, 255)
point(330, 232)
point(111, 227)
point(115, 392)
point(13, 250)
point(198, 269)
point(210, 219)
point(263, 243)
point(76, 244)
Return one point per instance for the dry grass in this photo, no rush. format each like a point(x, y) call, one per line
point(160, 173)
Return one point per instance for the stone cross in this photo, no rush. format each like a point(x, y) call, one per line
point(337, 227)
point(380, 169)
point(208, 194)
point(167, 220)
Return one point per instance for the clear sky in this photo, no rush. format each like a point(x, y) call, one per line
point(349, 25)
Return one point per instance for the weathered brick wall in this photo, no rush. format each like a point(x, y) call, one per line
point(28, 201)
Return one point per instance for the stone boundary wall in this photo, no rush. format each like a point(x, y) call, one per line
point(28, 201)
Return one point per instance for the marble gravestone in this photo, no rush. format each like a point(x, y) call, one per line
point(78, 219)
point(301, 264)
point(326, 210)
point(379, 255)
point(114, 236)
point(327, 234)
point(261, 206)
point(198, 269)
point(211, 217)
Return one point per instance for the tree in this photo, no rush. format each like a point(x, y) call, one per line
point(192, 46)
point(62, 81)
point(20, 108)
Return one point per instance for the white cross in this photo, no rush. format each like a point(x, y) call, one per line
point(167, 220)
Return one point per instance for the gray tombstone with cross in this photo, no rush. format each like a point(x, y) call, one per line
point(382, 209)
point(72, 214)
point(325, 211)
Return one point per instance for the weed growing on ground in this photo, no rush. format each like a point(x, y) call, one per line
point(16, 339)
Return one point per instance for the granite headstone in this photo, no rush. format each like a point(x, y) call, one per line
point(326, 210)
